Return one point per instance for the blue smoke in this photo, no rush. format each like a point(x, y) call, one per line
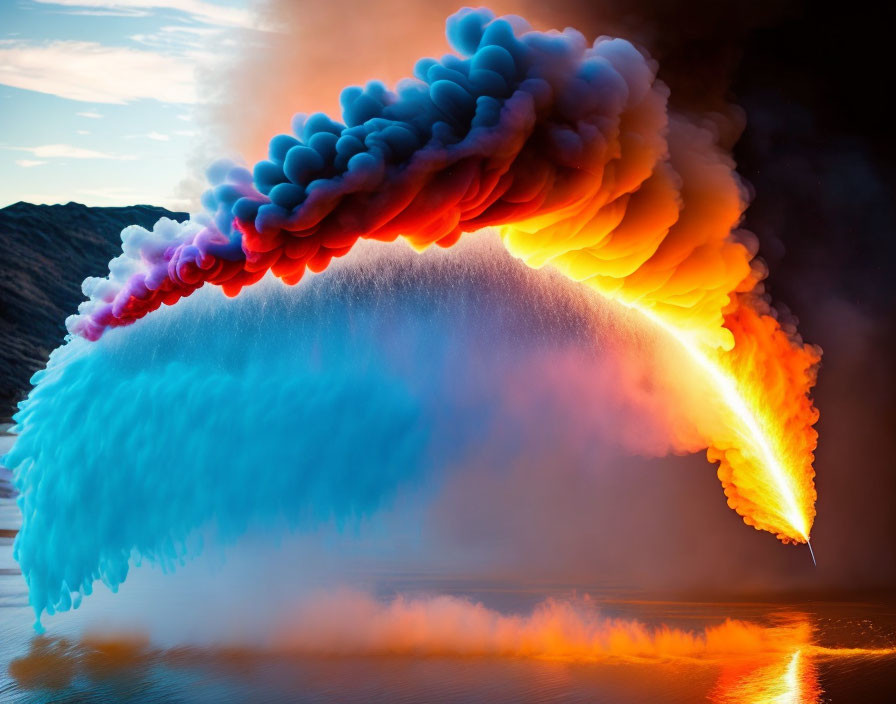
point(286, 406)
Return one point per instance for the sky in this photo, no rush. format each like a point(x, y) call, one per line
point(100, 100)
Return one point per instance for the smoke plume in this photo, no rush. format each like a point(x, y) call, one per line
point(568, 148)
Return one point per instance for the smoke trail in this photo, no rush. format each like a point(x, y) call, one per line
point(568, 148)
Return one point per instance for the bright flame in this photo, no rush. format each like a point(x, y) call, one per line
point(752, 427)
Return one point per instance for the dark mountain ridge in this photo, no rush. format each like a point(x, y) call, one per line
point(48, 250)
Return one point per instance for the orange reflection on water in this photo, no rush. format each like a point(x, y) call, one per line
point(758, 663)
point(791, 679)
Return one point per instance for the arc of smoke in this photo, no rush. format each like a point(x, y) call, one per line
point(567, 147)
point(562, 143)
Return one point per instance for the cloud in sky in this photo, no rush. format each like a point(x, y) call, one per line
point(96, 73)
point(198, 10)
point(185, 29)
point(131, 67)
point(67, 151)
point(154, 135)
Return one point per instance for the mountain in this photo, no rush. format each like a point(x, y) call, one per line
point(48, 250)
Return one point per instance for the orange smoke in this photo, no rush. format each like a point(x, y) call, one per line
point(346, 622)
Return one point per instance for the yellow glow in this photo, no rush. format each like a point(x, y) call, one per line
point(791, 682)
point(750, 426)
point(788, 680)
point(695, 288)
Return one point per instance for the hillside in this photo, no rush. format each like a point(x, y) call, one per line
point(48, 250)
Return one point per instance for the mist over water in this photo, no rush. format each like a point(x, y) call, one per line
point(290, 408)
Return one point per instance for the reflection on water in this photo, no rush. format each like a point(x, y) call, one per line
point(130, 667)
point(792, 679)
point(125, 667)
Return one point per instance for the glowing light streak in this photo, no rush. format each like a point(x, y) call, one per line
point(750, 427)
